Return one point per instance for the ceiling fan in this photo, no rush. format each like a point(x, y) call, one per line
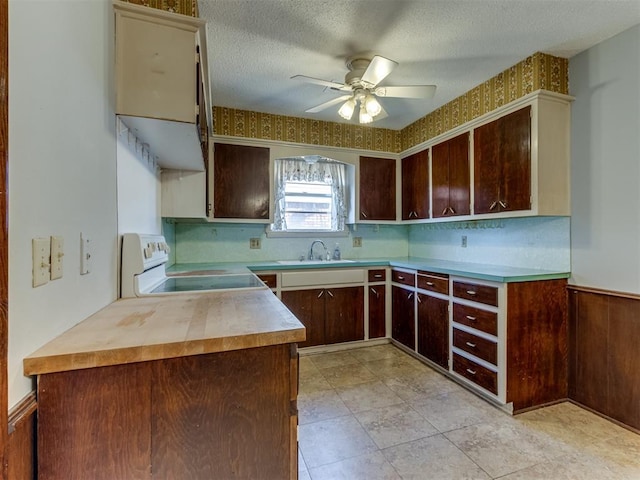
point(362, 84)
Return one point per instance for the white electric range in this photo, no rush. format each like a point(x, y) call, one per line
point(143, 271)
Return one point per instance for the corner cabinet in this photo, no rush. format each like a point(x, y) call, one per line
point(162, 88)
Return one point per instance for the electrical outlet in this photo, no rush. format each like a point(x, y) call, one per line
point(357, 242)
point(255, 243)
point(463, 244)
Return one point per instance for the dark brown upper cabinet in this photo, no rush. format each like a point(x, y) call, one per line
point(377, 188)
point(415, 186)
point(241, 182)
point(451, 178)
point(502, 164)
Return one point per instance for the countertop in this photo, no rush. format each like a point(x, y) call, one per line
point(158, 327)
point(496, 273)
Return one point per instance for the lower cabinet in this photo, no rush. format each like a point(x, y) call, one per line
point(330, 315)
point(377, 311)
point(433, 329)
point(403, 319)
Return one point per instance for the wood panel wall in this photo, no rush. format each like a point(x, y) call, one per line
point(21, 452)
point(4, 232)
point(604, 358)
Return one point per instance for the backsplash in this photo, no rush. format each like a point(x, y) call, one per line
point(218, 242)
point(536, 242)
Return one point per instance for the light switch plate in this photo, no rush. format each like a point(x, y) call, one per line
point(57, 253)
point(41, 250)
point(85, 254)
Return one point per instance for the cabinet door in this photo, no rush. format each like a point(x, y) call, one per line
point(403, 317)
point(344, 314)
point(415, 186)
point(433, 329)
point(308, 307)
point(450, 176)
point(241, 182)
point(377, 188)
point(515, 151)
point(377, 304)
point(486, 167)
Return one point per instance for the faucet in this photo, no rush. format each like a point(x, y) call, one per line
point(311, 250)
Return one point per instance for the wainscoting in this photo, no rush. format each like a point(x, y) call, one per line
point(21, 457)
point(604, 358)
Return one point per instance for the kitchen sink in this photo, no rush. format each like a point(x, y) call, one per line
point(313, 262)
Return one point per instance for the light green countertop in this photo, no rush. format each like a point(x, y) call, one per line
point(496, 273)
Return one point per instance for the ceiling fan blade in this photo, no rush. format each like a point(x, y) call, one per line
point(407, 91)
point(328, 104)
point(318, 81)
point(378, 69)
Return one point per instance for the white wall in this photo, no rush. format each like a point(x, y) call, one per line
point(605, 144)
point(62, 167)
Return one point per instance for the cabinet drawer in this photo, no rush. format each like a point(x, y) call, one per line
point(269, 279)
point(477, 293)
point(478, 374)
point(433, 282)
point(403, 277)
point(476, 318)
point(478, 346)
point(377, 275)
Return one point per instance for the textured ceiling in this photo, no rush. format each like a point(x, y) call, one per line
point(255, 46)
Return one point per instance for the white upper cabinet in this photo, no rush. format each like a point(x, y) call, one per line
point(162, 88)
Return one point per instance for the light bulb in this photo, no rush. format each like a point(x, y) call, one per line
point(364, 116)
point(372, 106)
point(346, 110)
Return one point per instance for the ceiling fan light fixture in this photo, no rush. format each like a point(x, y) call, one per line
point(347, 108)
point(365, 117)
point(372, 105)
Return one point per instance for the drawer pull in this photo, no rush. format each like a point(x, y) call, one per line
point(472, 345)
point(377, 276)
point(471, 292)
point(469, 317)
point(472, 372)
point(430, 284)
point(400, 277)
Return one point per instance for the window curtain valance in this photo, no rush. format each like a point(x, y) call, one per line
point(298, 170)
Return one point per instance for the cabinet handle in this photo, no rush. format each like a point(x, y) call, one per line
point(503, 204)
point(418, 298)
point(471, 292)
point(472, 372)
point(430, 284)
point(321, 293)
point(409, 296)
point(377, 276)
point(452, 210)
point(444, 212)
point(363, 214)
point(400, 277)
point(493, 205)
point(469, 317)
point(330, 294)
point(373, 290)
point(472, 345)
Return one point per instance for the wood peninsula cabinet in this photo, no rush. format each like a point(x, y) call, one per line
point(172, 387)
point(377, 188)
point(415, 186)
point(451, 177)
point(502, 163)
point(241, 180)
point(162, 86)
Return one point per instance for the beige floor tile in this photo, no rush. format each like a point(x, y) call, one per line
point(396, 424)
point(302, 466)
point(433, 457)
point(379, 352)
point(456, 409)
point(320, 405)
point(622, 451)
point(304, 476)
point(306, 366)
point(365, 396)
point(313, 383)
point(333, 359)
point(371, 466)
point(331, 441)
point(418, 386)
point(571, 467)
point(393, 367)
point(351, 374)
point(504, 447)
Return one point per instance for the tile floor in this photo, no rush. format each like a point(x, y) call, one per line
point(377, 413)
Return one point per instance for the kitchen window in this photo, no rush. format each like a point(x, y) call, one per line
point(309, 195)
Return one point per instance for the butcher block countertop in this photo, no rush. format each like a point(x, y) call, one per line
point(158, 327)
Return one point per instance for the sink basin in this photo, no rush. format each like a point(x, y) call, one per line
point(313, 262)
